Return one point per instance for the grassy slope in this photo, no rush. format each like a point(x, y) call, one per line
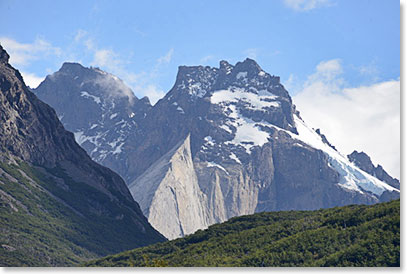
point(42, 231)
point(342, 236)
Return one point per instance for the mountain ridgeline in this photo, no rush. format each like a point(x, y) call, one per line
point(223, 142)
point(57, 206)
point(357, 235)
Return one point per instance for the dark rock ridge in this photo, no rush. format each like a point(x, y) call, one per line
point(363, 161)
point(250, 149)
point(31, 134)
point(324, 139)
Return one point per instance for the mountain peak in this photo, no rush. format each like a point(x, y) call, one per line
point(224, 65)
point(4, 57)
point(248, 65)
point(145, 100)
point(71, 67)
point(189, 70)
point(363, 161)
point(250, 61)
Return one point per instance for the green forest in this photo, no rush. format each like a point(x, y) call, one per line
point(356, 235)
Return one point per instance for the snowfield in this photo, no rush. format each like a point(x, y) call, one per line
point(249, 134)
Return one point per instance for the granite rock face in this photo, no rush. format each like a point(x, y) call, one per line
point(251, 151)
point(169, 194)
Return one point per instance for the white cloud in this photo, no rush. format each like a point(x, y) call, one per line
point(206, 59)
point(330, 68)
point(369, 71)
point(251, 53)
point(292, 84)
point(153, 92)
point(80, 34)
point(306, 5)
point(166, 58)
point(142, 83)
point(31, 80)
point(22, 54)
point(116, 87)
point(363, 118)
point(104, 58)
point(327, 74)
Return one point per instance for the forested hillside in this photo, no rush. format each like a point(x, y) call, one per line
point(355, 235)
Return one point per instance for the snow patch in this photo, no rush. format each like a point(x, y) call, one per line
point(259, 101)
point(212, 164)
point(80, 138)
point(249, 135)
point(209, 140)
point(87, 95)
point(241, 75)
point(296, 144)
point(113, 116)
point(180, 109)
point(118, 149)
point(195, 89)
point(234, 157)
point(226, 127)
point(352, 177)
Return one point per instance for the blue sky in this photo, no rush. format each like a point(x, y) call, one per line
point(341, 44)
point(285, 37)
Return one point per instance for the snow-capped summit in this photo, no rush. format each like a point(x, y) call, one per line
point(231, 138)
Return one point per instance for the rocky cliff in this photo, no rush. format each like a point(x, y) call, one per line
point(42, 167)
point(169, 194)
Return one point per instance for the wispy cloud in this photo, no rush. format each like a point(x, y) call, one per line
point(327, 74)
point(80, 34)
point(22, 54)
point(363, 118)
point(138, 31)
point(142, 82)
point(206, 59)
point(306, 5)
point(251, 53)
point(153, 92)
point(369, 71)
point(166, 58)
point(292, 84)
point(31, 80)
